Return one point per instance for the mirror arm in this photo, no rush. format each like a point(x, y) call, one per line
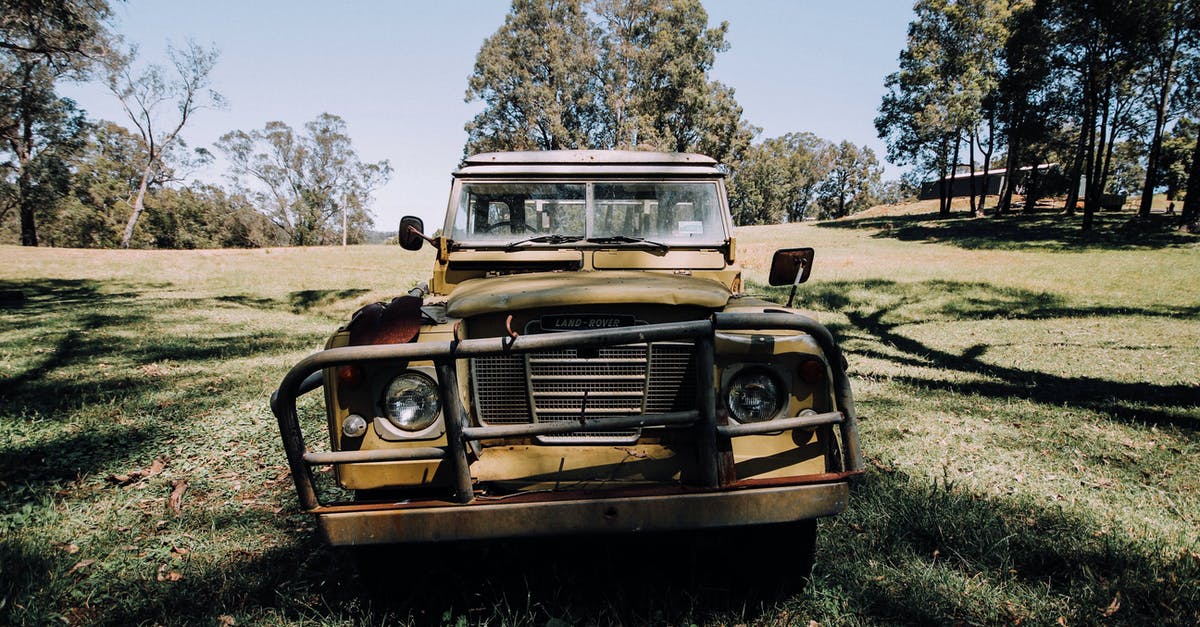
point(795, 284)
point(431, 240)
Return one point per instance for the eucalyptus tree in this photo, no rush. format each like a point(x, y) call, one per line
point(854, 173)
point(1174, 35)
point(777, 179)
point(159, 102)
point(629, 74)
point(302, 182)
point(41, 43)
point(538, 77)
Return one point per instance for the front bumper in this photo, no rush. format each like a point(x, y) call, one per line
point(716, 499)
point(604, 513)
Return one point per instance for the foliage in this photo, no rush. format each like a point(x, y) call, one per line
point(302, 182)
point(626, 74)
point(144, 93)
point(777, 179)
point(1175, 161)
point(854, 174)
point(41, 42)
point(782, 179)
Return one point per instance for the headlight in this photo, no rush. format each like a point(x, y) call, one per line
point(753, 396)
point(411, 402)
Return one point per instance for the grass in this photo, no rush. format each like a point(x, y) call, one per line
point(1029, 413)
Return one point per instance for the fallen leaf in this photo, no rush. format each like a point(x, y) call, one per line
point(155, 467)
point(1114, 606)
point(180, 551)
point(167, 575)
point(80, 565)
point(226, 620)
point(178, 487)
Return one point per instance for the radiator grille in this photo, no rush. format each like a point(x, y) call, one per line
point(563, 385)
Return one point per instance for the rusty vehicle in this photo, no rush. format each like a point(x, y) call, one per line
point(583, 360)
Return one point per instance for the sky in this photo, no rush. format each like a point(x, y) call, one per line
point(397, 73)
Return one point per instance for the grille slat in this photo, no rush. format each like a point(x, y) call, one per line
point(617, 381)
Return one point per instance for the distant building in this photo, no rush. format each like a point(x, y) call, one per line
point(1051, 179)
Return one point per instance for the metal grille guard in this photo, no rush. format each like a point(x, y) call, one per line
point(307, 376)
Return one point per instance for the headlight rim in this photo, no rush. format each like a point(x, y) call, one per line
point(433, 421)
point(746, 370)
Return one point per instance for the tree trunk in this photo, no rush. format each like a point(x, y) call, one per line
point(945, 213)
point(29, 235)
point(987, 161)
point(944, 183)
point(138, 205)
point(1160, 117)
point(971, 141)
point(1191, 202)
point(1010, 176)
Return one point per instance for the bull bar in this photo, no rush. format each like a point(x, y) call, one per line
point(461, 438)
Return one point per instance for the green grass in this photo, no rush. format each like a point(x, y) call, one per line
point(1029, 414)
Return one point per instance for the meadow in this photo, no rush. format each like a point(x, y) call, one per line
point(1029, 409)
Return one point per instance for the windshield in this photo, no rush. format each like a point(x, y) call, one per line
point(610, 213)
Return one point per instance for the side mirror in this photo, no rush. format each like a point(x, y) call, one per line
point(791, 266)
point(412, 233)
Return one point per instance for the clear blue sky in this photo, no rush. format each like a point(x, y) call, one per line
point(397, 73)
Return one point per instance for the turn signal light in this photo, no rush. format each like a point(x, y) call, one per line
point(350, 375)
point(812, 371)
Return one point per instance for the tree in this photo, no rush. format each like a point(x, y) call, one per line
point(40, 43)
point(301, 182)
point(777, 179)
point(1173, 27)
point(635, 77)
point(60, 32)
point(105, 181)
point(853, 174)
point(656, 55)
point(538, 78)
point(146, 93)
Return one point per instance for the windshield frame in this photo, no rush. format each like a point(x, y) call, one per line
point(454, 205)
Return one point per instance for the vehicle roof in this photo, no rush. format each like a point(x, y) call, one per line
point(589, 163)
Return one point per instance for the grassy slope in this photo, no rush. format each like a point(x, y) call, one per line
point(1029, 413)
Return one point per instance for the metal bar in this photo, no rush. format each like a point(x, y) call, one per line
point(310, 383)
point(491, 346)
point(375, 455)
point(841, 383)
point(772, 426)
point(602, 424)
point(455, 418)
point(706, 426)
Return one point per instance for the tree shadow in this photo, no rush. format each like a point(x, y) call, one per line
point(1025, 231)
point(93, 325)
point(888, 558)
point(880, 325)
point(305, 300)
point(921, 532)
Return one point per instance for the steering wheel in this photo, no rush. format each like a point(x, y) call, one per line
point(521, 227)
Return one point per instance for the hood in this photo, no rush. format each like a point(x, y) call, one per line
point(548, 289)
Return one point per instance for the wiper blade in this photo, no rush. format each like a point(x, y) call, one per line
point(544, 239)
point(625, 239)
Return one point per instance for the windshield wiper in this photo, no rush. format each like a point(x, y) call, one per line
point(625, 239)
point(544, 239)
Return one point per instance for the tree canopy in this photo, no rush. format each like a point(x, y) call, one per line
point(304, 181)
point(628, 74)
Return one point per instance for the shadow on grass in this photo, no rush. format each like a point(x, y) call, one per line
point(944, 554)
point(81, 325)
point(307, 299)
point(876, 309)
point(1034, 231)
point(908, 551)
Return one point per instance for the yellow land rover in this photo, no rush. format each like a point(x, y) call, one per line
point(583, 360)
